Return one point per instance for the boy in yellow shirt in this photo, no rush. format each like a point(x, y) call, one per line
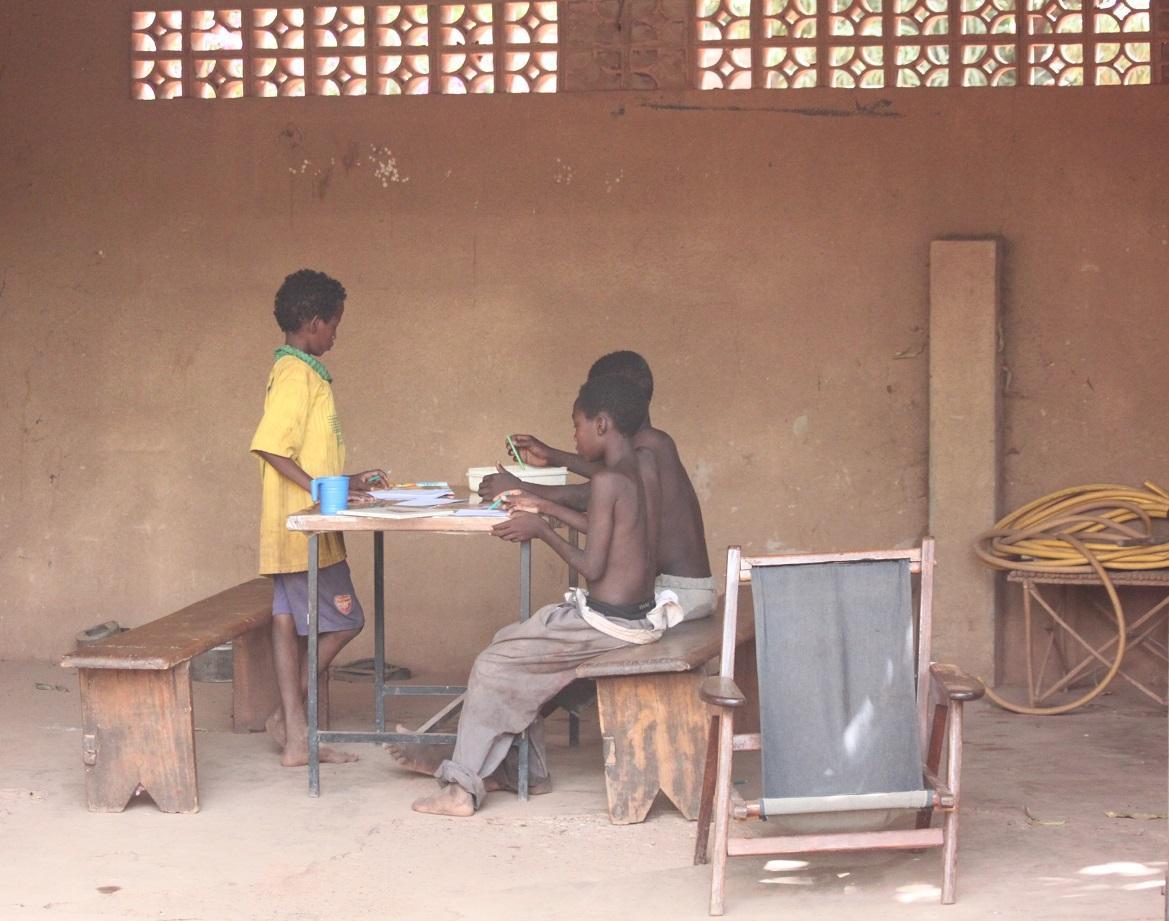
point(299, 438)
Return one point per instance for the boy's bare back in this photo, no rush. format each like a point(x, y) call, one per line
point(617, 504)
point(681, 536)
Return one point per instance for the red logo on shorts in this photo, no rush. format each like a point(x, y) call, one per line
point(343, 603)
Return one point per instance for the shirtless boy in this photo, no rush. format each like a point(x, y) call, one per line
point(680, 541)
point(528, 663)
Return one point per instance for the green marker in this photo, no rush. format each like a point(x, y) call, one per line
point(515, 451)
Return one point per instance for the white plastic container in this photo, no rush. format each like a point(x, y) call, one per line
point(544, 476)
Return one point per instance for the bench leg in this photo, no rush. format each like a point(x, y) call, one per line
point(653, 733)
point(138, 732)
point(253, 684)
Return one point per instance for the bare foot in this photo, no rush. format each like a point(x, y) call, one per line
point(275, 728)
point(295, 757)
point(451, 800)
point(296, 753)
point(418, 756)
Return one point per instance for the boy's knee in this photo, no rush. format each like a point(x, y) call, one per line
point(344, 636)
point(490, 663)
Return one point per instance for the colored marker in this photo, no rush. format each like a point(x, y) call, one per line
point(495, 504)
point(515, 451)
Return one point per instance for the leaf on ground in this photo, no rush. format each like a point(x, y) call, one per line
point(1135, 815)
point(1043, 823)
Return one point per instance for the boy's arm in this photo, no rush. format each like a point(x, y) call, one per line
point(289, 469)
point(523, 501)
point(535, 452)
point(593, 560)
point(575, 496)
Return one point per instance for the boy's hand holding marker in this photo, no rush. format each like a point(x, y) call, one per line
point(515, 452)
point(361, 483)
point(530, 450)
point(369, 479)
point(517, 500)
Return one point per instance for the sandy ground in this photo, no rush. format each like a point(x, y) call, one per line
point(260, 848)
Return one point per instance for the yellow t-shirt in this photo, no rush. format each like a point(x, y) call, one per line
point(300, 422)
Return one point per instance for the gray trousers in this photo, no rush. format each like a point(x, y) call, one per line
point(525, 666)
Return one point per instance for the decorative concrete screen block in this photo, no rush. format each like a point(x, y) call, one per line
point(402, 56)
point(789, 44)
point(346, 50)
point(156, 45)
point(502, 46)
point(626, 44)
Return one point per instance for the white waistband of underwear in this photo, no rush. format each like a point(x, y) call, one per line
point(665, 614)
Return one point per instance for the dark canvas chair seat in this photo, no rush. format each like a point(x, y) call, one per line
point(853, 717)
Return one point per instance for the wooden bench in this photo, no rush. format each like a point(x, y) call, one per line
point(653, 725)
point(137, 727)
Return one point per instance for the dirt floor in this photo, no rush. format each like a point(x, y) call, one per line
point(262, 849)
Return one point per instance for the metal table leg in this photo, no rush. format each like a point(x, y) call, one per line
point(314, 751)
point(525, 613)
point(573, 582)
point(379, 630)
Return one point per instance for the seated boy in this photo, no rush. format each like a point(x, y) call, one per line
point(680, 545)
point(299, 438)
point(528, 663)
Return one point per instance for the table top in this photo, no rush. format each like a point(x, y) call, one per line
point(310, 519)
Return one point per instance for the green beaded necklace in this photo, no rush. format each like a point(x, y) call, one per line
point(311, 360)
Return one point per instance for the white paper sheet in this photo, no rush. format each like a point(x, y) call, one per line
point(426, 503)
point(402, 495)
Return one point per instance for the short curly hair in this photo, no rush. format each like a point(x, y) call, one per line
point(628, 364)
point(306, 294)
point(617, 395)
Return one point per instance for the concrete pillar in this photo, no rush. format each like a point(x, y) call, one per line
point(964, 467)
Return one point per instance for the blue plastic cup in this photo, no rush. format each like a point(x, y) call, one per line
point(332, 492)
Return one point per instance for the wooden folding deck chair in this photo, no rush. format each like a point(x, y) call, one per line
point(854, 717)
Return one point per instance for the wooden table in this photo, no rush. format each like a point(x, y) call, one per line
point(314, 523)
point(1141, 629)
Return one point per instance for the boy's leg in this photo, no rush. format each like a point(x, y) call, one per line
point(296, 728)
point(328, 645)
point(340, 619)
point(525, 665)
point(290, 726)
point(425, 758)
point(286, 658)
point(326, 652)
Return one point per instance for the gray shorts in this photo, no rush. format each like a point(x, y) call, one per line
point(337, 608)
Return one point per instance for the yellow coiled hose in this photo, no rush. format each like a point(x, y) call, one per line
point(1082, 529)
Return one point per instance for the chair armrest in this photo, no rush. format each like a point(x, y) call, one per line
point(956, 684)
point(722, 692)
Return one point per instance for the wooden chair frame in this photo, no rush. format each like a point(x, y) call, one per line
point(941, 691)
